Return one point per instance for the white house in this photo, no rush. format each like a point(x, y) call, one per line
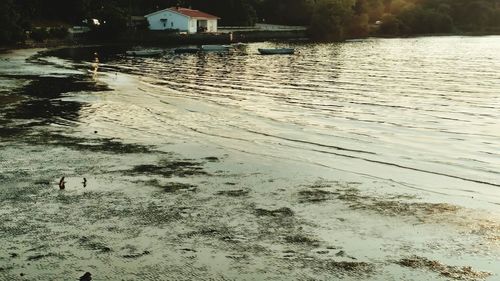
point(183, 19)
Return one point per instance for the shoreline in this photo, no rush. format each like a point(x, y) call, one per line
point(464, 34)
point(133, 39)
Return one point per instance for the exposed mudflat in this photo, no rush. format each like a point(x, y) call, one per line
point(172, 180)
point(453, 272)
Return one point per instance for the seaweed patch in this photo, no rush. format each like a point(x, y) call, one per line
point(391, 205)
point(281, 212)
point(91, 243)
point(315, 195)
point(83, 144)
point(453, 272)
point(233, 193)
point(301, 239)
point(171, 168)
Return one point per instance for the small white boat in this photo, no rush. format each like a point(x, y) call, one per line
point(277, 51)
point(144, 53)
point(215, 48)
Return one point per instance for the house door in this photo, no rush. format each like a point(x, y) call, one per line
point(201, 25)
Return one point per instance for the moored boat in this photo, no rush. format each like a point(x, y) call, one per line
point(187, 50)
point(277, 51)
point(215, 48)
point(144, 53)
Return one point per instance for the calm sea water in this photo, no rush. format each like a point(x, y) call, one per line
point(422, 111)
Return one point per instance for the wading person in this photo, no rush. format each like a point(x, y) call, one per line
point(62, 183)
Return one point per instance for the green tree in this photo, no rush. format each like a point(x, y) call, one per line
point(10, 31)
point(113, 20)
point(231, 12)
point(40, 34)
point(438, 22)
point(390, 25)
point(329, 19)
point(398, 6)
point(495, 18)
point(292, 12)
point(358, 26)
point(376, 9)
point(478, 15)
point(425, 21)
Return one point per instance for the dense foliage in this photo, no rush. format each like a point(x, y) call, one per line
point(10, 29)
point(327, 19)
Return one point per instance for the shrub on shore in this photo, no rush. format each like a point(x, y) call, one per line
point(39, 34)
point(42, 34)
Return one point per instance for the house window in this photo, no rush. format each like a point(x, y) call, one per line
point(164, 21)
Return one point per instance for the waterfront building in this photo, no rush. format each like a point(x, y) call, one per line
point(183, 20)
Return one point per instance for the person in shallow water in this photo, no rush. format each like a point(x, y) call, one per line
point(62, 183)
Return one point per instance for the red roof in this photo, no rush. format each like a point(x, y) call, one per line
point(193, 13)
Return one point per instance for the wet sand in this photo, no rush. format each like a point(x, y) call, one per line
point(161, 205)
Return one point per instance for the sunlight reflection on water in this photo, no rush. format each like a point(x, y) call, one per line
point(428, 104)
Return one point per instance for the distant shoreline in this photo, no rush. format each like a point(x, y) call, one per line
point(156, 38)
point(466, 34)
point(159, 39)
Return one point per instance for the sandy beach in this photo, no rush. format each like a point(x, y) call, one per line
point(243, 167)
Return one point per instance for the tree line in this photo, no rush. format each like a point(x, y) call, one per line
point(327, 19)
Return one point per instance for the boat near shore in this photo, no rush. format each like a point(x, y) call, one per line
point(215, 48)
point(202, 48)
point(144, 53)
point(277, 51)
point(186, 50)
